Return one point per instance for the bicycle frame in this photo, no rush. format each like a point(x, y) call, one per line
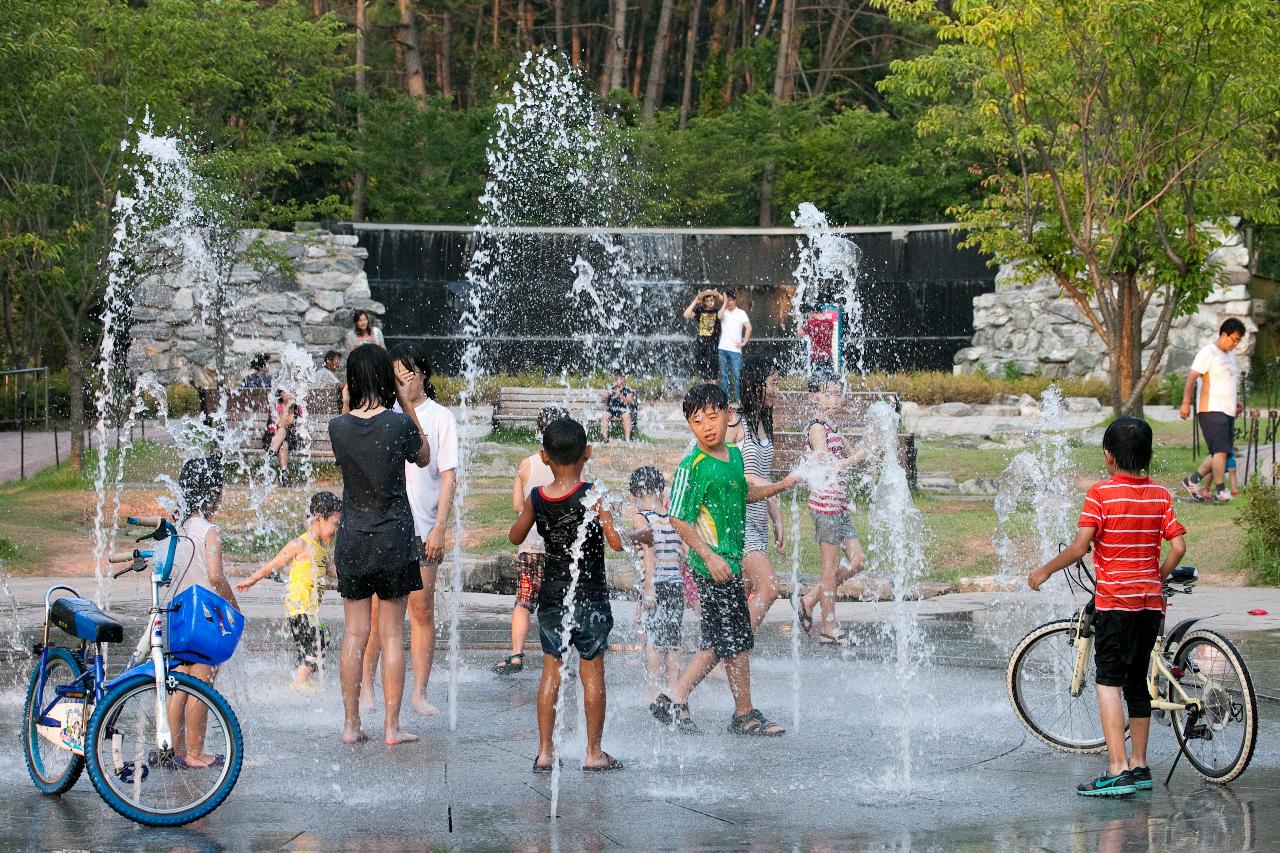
point(1158, 668)
point(151, 644)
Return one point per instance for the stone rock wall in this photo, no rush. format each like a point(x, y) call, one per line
point(311, 308)
point(1039, 328)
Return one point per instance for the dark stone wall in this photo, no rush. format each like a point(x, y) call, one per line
point(917, 292)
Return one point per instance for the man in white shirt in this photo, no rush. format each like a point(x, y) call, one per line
point(1216, 408)
point(735, 331)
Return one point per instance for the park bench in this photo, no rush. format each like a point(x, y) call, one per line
point(248, 408)
point(793, 411)
point(519, 407)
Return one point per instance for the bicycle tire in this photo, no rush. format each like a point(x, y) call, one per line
point(1038, 642)
point(1222, 708)
point(52, 784)
point(108, 711)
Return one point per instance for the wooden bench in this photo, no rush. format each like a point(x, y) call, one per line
point(793, 411)
point(248, 410)
point(519, 407)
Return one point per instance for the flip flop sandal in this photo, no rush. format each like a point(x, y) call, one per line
point(543, 768)
point(804, 616)
point(840, 639)
point(181, 763)
point(754, 724)
point(661, 709)
point(125, 773)
point(613, 764)
point(510, 665)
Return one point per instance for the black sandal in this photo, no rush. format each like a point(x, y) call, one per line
point(754, 723)
point(510, 665)
point(660, 707)
point(610, 765)
point(683, 719)
point(804, 617)
point(543, 768)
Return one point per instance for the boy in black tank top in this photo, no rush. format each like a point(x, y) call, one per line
point(559, 513)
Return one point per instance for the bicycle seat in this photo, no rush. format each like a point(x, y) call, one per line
point(81, 618)
point(1184, 574)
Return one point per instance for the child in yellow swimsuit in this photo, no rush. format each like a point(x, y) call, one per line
point(309, 566)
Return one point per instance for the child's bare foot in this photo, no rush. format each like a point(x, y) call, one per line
point(352, 733)
point(423, 707)
point(366, 701)
point(398, 736)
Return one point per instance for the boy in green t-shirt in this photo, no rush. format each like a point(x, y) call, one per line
point(709, 497)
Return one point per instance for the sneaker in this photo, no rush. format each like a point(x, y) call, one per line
point(1141, 778)
point(1119, 785)
point(1224, 496)
point(1192, 486)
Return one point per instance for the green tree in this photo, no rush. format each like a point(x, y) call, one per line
point(1113, 134)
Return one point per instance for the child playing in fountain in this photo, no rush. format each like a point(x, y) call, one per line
point(309, 568)
point(662, 597)
point(829, 506)
point(1124, 519)
point(559, 513)
point(709, 497)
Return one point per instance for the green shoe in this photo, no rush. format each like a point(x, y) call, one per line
point(1119, 785)
point(1141, 778)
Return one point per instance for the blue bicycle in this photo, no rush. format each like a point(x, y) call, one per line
point(136, 732)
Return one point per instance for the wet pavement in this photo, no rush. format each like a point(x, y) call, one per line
point(975, 780)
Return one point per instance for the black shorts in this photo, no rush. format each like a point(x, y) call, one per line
point(707, 361)
point(662, 622)
point(726, 621)
point(1219, 430)
point(311, 639)
point(387, 584)
point(588, 632)
point(291, 438)
point(1122, 644)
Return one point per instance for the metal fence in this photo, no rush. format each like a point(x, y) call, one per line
point(24, 398)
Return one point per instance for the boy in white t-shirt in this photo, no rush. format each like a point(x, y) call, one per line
point(735, 331)
point(1216, 369)
point(430, 491)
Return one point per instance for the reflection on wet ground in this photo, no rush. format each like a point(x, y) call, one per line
point(977, 783)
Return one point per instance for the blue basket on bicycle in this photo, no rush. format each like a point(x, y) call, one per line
point(203, 626)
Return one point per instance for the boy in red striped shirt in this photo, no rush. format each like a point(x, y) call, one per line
point(1124, 519)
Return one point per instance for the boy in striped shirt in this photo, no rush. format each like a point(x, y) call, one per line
point(1125, 519)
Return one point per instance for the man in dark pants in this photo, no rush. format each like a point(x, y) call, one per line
point(1216, 409)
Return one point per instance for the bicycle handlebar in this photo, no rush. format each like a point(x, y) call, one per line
point(152, 521)
point(121, 557)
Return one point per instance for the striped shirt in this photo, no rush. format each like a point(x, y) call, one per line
point(1131, 515)
point(757, 461)
point(834, 499)
point(668, 550)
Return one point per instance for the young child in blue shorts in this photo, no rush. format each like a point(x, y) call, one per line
point(662, 595)
point(559, 513)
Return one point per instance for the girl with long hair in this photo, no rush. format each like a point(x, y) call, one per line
point(363, 332)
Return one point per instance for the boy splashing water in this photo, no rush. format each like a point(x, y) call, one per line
point(558, 512)
point(1124, 518)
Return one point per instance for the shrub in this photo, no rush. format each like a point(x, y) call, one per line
point(1012, 370)
point(182, 400)
point(1260, 520)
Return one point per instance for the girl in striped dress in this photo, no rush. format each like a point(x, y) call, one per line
point(663, 593)
point(829, 506)
point(754, 436)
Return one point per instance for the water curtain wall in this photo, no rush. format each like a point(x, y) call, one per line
point(915, 287)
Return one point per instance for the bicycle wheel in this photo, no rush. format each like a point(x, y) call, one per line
point(156, 789)
point(1209, 668)
point(1039, 684)
point(53, 768)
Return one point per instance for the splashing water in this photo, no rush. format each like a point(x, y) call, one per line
point(827, 273)
point(896, 548)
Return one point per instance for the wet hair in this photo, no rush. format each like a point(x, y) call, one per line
point(565, 441)
point(1128, 440)
point(704, 396)
point(821, 377)
point(355, 318)
point(1232, 326)
point(756, 370)
point(201, 483)
point(413, 355)
point(332, 353)
point(325, 504)
point(259, 362)
point(647, 481)
point(549, 414)
point(730, 294)
point(370, 377)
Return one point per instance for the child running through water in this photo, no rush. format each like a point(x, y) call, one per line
point(309, 571)
point(1124, 519)
point(829, 506)
point(662, 598)
point(709, 497)
point(558, 512)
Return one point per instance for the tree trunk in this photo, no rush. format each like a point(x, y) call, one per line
point(575, 38)
point(318, 7)
point(784, 72)
point(615, 59)
point(690, 53)
point(75, 400)
point(415, 82)
point(1124, 328)
point(495, 24)
point(445, 57)
point(361, 180)
point(830, 49)
point(558, 7)
point(766, 195)
point(657, 66)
